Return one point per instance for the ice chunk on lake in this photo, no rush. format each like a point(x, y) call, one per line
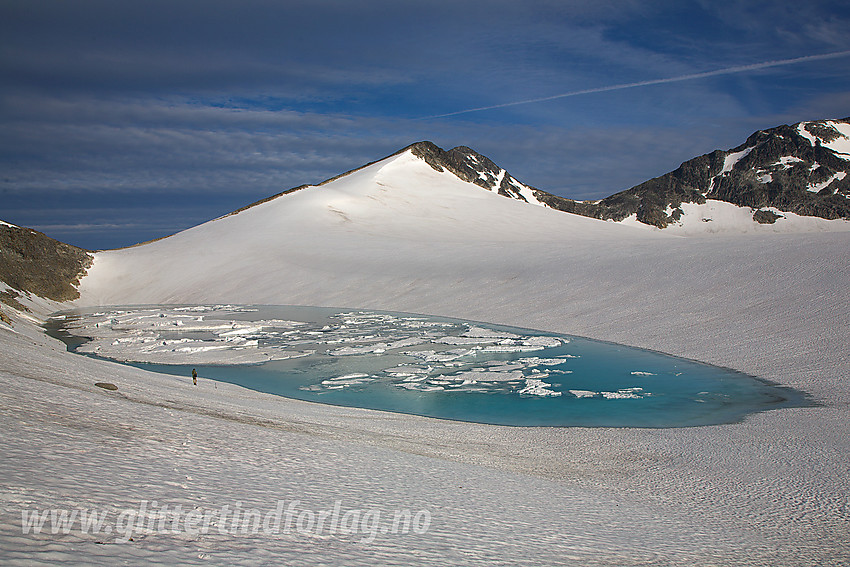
point(625, 394)
point(452, 340)
point(537, 361)
point(482, 333)
point(584, 393)
point(536, 387)
point(441, 356)
point(348, 380)
point(512, 348)
point(419, 386)
point(543, 341)
point(485, 376)
point(378, 348)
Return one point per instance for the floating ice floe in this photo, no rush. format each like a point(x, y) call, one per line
point(544, 341)
point(624, 394)
point(453, 340)
point(536, 387)
point(379, 348)
point(621, 394)
point(473, 376)
point(482, 333)
point(348, 380)
point(408, 372)
point(512, 348)
point(584, 393)
point(441, 356)
point(419, 386)
point(537, 361)
point(163, 336)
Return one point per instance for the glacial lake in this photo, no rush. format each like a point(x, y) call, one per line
point(416, 364)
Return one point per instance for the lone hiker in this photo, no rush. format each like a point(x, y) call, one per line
point(194, 377)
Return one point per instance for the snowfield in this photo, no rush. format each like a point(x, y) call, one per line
point(720, 217)
point(399, 236)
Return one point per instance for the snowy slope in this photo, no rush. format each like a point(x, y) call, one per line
point(719, 217)
point(395, 218)
point(400, 235)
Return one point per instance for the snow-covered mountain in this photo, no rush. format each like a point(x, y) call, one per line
point(409, 233)
point(475, 168)
point(418, 214)
point(785, 179)
point(777, 177)
point(423, 205)
point(465, 163)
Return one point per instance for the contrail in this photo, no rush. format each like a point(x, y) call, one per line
point(726, 71)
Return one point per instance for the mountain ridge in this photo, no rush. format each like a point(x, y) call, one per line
point(785, 169)
point(800, 168)
point(454, 160)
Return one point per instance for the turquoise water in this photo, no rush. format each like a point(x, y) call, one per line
point(437, 367)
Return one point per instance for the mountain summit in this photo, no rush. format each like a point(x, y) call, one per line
point(799, 169)
point(429, 210)
point(470, 166)
point(793, 174)
point(410, 216)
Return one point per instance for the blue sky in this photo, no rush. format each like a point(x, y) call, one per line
point(126, 121)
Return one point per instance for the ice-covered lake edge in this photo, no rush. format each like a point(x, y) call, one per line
point(144, 335)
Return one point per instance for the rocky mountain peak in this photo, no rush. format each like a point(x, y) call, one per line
point(801, 168)
point(470, 166)
point(32, 262)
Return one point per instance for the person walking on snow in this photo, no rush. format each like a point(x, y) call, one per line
point(194, 377)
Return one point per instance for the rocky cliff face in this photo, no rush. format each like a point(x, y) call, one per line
point(473, 167)
point(800, 169)
point(32, 262)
